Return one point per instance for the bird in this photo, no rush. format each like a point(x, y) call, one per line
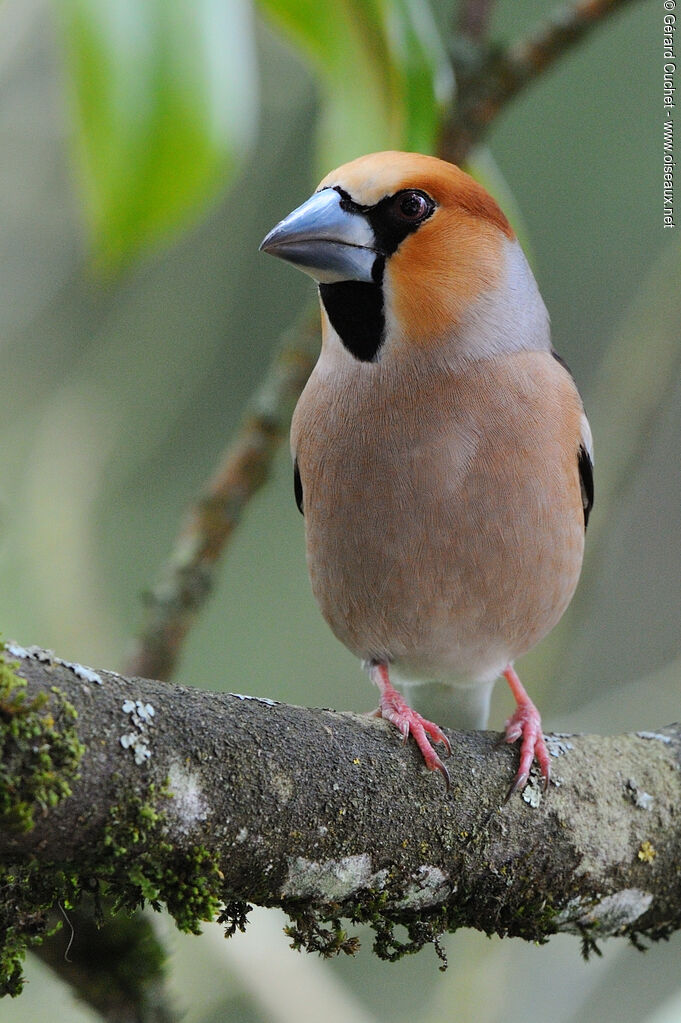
point(442, 458)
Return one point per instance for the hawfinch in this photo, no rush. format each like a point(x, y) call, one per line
point(442, 457)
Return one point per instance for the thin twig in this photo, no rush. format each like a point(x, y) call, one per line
point(473, 17)
point(187, 579)
point(486, 85)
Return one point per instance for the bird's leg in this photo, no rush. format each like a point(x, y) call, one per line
point(394, 708)
point(525, 724)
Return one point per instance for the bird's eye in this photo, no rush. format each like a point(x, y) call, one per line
point(412, 206)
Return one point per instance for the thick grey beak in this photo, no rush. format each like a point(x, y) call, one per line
point(324, 240)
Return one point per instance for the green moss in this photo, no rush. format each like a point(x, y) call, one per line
point(188, 881)
point(403, 931)
point(233, 916)
point(39, 750)
point(39, 757)
point(130, 865)
point(308, 931)
point(321, 930)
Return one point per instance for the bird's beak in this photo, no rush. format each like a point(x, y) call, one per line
point(324, 240)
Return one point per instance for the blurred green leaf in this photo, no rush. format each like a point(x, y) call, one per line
point(165, 99)
point(383, 67)
point(425, 77)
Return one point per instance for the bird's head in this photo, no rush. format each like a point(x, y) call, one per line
point(409, 251)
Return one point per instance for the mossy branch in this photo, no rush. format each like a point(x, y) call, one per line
point(205, 802)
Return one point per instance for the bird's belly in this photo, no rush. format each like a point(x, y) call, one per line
point(428, 575)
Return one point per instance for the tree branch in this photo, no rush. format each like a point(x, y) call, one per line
point(473, 17)
point(171, 609)
point(206, 801)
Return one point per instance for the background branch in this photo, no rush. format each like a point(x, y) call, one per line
point(187, 578)
point(473, 17)
point(205, 801)
point(488, 80)
point(115, 964)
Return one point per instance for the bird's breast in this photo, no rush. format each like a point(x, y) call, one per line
point(443, 515)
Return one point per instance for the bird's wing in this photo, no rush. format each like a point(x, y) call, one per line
point(585, 454)
point(298, 487)
point(585, 461)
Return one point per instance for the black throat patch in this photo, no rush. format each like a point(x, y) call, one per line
point(355, 309)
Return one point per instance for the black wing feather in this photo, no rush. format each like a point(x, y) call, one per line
point(584, 460)
point(586, 478)
point(298, 487)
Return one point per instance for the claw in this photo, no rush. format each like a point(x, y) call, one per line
point(445, 774)
point(394, 708)
point(525, 724)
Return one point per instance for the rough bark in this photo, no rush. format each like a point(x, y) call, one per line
point(329, 815)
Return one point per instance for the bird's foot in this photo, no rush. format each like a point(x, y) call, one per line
point(525, 724)
point(394, 708)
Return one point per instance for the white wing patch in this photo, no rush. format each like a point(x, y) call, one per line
point(586, 437)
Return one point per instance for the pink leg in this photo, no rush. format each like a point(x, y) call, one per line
point(394, 708)
point(525, 724)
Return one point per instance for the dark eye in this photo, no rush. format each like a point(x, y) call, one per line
point(412, 206)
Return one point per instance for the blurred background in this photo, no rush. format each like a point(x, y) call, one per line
point(145, 150)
